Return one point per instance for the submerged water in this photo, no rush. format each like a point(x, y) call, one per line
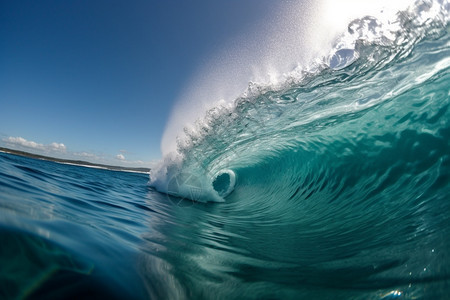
point(334, 184)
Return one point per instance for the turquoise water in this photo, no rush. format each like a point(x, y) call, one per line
point(334, 184)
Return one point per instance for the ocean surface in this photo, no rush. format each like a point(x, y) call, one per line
point(333, 184)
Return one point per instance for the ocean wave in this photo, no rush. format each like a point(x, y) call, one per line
point(354, 97)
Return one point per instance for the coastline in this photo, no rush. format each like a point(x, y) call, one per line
point(79, 163)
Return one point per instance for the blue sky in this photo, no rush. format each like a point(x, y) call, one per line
point(97, 80)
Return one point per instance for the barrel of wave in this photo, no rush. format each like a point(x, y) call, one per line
point(199, 187)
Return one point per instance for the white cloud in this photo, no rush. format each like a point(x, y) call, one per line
point(21, 142)
point(58, 147)
point(120, 157)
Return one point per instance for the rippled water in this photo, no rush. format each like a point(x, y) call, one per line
point(69, 231)
point(74, 232)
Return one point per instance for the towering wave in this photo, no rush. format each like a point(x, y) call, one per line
point(369, 119)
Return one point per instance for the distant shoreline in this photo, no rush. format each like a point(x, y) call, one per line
point(79, 163)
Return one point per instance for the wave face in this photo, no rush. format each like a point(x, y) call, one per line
point(381, 93)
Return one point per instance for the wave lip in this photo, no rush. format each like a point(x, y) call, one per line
point(190, 186)
point(173, 178)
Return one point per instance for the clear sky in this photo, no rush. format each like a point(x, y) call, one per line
point(96, 80)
